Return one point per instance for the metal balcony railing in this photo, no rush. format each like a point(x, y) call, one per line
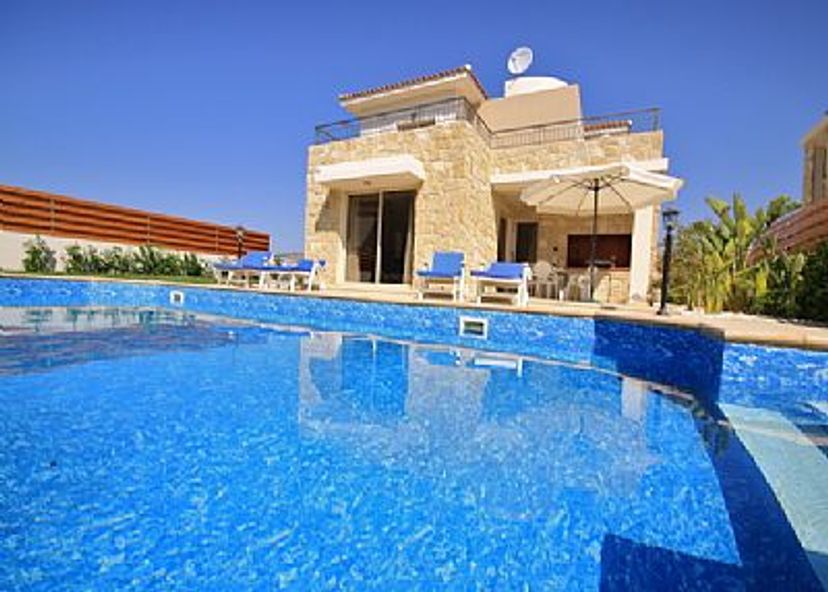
point(458, 109)
point(626, 122)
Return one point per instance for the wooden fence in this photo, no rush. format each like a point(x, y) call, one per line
point(36, 212)
point(802, 229)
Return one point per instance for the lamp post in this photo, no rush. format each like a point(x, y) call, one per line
point(670, 218)
point(240, 232)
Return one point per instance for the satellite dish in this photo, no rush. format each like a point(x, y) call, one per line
point(520, 60)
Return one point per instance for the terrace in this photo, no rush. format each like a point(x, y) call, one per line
point(460, 109)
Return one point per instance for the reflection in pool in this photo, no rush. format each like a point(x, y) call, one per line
point(571, 451)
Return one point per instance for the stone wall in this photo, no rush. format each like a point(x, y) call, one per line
point(453, 208)
point(575, 153)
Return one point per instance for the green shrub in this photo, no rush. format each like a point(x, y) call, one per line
point(812, 296)
point(117, 261)
point(146, 260)
point(81, 260)
point(782, 274)
point(73, 259)
point(192, 266)
point(39, 257)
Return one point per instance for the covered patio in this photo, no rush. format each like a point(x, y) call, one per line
point(553, 230)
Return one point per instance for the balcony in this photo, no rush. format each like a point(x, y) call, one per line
point(458, 109)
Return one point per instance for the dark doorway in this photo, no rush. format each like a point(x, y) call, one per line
point(526, 242)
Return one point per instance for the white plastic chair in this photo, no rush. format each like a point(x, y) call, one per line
point(579, 285)
point(542, 279)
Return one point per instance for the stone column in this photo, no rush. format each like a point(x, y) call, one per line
point(641, 256)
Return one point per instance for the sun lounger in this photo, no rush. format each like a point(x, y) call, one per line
point(241, 271)
point(504, 276)
point(446, 273)
point(304, 271)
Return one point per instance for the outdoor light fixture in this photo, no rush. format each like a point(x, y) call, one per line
point(240, 232)
point(670, 217)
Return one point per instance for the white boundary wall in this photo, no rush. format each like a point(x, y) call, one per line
point(13, 248)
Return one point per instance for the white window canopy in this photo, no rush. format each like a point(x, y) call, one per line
point(402, 171)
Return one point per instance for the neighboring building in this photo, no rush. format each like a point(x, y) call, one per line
point(64, 221)
point(434, 164)
point(805, 228)
point(815, 168)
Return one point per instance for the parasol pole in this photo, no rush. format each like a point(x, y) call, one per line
point(594, 247)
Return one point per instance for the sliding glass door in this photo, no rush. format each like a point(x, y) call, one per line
point(363, 214)
point(380, 237)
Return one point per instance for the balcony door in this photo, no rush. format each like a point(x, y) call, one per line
point(380, 237)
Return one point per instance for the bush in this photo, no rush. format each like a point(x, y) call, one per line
point(39, 257)
point(82, 260)
point(147, 260)
point(192, 266)
point(782, 276)
point(117, 261)
point(812, 296)
point(73, 259)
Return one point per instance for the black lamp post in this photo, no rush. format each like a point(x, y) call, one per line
point(670, 218)
point(240, 232)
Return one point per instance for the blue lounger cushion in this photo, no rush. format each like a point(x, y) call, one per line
point(227, 265)
point(252, 260)
point(444, 265)
point(301, 266)
point(430, 273)
point(305, 265)
point(501, 270)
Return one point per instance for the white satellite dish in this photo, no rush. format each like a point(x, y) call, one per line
point(520, 60)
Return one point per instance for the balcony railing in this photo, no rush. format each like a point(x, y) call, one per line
point(458, 109)
point(626, 122)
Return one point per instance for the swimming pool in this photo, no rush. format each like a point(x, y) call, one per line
point(317, 444)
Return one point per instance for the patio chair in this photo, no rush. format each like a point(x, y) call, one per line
point(541, 284)
point(508, 276)
point(243, 269)
point(304, 271)
point(446, 272)
point(577, 288)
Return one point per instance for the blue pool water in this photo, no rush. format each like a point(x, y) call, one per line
point(148, 448)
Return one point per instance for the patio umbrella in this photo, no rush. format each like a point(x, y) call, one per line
point(618, 188)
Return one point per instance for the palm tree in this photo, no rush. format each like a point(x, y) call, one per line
point(714, 266)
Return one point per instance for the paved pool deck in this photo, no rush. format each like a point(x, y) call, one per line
point(729, 326)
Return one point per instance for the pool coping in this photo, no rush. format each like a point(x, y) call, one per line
point(731, 328)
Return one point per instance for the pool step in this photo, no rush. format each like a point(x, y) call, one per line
point(796, 471)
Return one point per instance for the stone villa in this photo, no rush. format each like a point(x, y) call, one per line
point(435, 164)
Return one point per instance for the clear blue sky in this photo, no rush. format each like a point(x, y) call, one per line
point(205, 109)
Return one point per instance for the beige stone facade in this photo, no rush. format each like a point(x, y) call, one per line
point(456, 206)
point(453, 208)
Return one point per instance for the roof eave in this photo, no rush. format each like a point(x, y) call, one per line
point(409, 85)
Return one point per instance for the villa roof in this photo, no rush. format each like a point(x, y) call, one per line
point(411, 82)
